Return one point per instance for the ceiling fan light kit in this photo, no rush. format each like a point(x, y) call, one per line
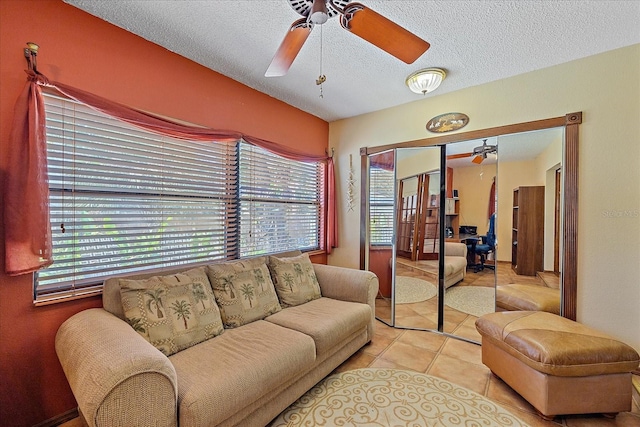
point(355, 18)
point(319, 13)
point(425, 80)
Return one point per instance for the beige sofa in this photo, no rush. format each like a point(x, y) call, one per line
point(455, 263)
point(245, 376)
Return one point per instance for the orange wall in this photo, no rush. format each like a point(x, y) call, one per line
point(83, 51)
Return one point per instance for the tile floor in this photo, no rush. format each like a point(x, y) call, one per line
point(460, 362)
point(455, 360)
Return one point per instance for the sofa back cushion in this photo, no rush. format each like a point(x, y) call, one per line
point(112, 302)
point(243, 290)
point(295, 280)
point(172, 312)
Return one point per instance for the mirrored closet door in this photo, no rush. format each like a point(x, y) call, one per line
point(502, 210)
point(403, 228)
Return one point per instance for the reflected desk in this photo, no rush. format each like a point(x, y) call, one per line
point(471, 240)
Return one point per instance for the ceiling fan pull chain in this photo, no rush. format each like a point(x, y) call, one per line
point(321, 78)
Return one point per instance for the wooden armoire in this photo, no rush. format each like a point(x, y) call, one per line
point(527, 236)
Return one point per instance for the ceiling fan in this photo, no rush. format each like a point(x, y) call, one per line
point(479, 153)
point(355, 18)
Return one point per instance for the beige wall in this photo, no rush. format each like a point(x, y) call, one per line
point(609, 167)
point(473, 191)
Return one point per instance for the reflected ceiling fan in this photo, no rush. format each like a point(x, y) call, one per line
point(479, 153)
point(355, 18)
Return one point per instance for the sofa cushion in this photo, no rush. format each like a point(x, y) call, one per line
point(172, 312)
point(328, 321)
point(454, 264)
point(295, 280)
point(244, 291)
point(245, 364)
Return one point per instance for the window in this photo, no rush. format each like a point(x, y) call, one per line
point(123, 200)
point(279, 203)
point(381, 188)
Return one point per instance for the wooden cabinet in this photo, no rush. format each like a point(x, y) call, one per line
point(452, 212)
point(527, 236)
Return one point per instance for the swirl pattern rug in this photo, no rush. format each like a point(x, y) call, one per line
point(412, 289)
point(475, 300)
point(390, 397)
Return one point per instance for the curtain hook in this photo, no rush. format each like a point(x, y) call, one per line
point(30, 53)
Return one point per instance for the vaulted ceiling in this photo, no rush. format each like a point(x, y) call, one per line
point(474, 41)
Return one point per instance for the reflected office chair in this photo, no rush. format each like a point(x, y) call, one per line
point(487, 246)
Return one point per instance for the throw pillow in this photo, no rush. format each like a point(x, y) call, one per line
point(244, 291)
point(295, 280)
point(172, 312)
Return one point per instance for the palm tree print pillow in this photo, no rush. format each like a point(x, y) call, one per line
point(295, 280)
point(243, 290)
point(171, 312)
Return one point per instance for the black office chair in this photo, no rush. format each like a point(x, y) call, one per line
point(487, 246)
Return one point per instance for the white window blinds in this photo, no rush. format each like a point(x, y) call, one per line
point(124, 200)
point(381, 188)
point(279, 203)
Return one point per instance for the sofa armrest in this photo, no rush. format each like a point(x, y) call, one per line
point(349, 284)
point(455, 249)
point(117, 377)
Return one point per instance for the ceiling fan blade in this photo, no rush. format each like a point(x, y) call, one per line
point(289, 48)
point(459, 156)
point(477, 159)
point(382, 32)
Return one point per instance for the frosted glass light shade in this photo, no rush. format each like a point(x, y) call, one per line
point(425, 81)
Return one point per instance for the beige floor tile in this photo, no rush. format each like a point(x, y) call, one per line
point(383, 330)
point(377, 345)
point(416, 321)
point(468, 332)
point(454, 316)
point(387, 364)
point(625, 419)
point(427, 340)
point(358, 360)
point(427, 308)
point(470, 375)
point(408, 355)
point(531, 419)
point(462, 350)
point(501, 393)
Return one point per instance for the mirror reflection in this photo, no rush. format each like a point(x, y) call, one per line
point(530, 209)
point(417, 246)
point(497, 205)
point(380, 227)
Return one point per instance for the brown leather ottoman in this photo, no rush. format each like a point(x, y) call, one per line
point(556, 364)
point(516, 297)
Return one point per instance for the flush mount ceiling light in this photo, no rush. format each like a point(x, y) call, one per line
point(425, 81)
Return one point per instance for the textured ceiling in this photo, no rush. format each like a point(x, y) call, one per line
point(474, 41)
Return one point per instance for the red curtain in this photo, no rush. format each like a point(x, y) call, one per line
point(26, 195)
point(26, 214)
point(492, 199)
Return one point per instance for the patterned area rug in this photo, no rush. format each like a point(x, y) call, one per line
point(411, 289)
point(476, 300)
point(390, 397)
